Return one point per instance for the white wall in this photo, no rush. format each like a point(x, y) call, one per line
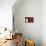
point(6, 13)
point(43, 22)
point(23, 11)
point(30, 8)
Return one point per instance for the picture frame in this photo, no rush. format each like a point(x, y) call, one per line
point(29, 19)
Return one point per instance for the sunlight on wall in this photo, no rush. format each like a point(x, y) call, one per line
point(6, 18)
point(6, 13)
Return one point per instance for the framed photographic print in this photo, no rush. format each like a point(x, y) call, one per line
point(29, 19)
